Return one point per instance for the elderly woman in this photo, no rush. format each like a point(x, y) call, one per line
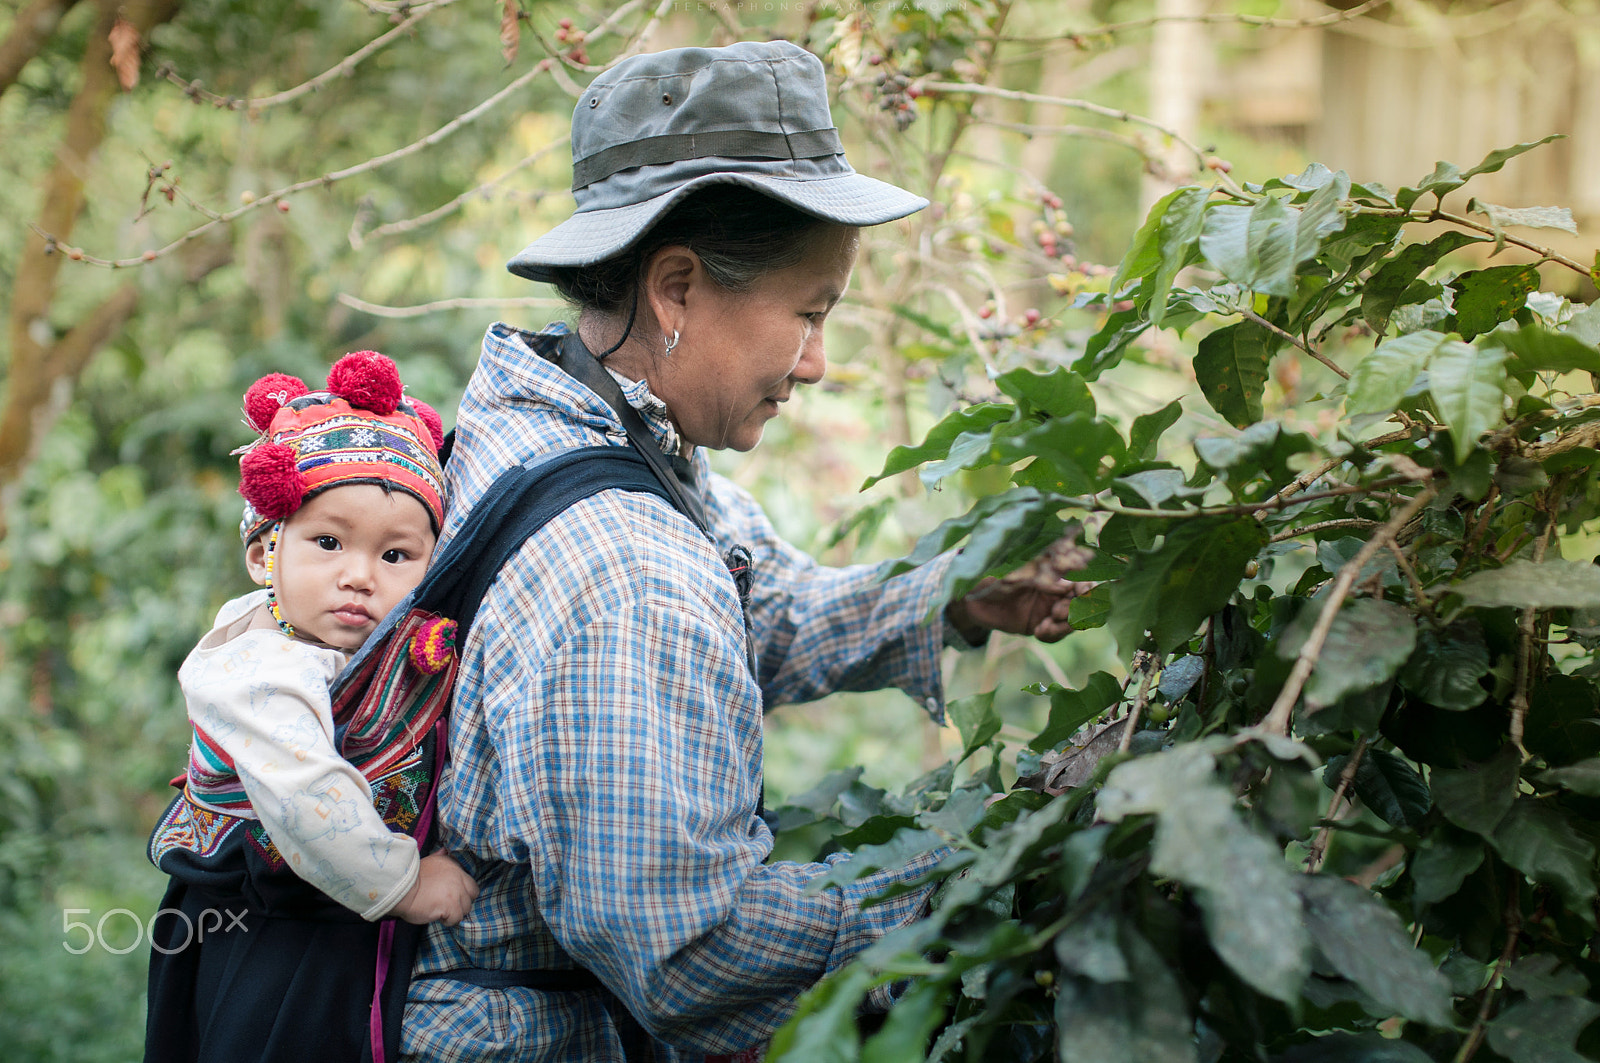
point(605, 783)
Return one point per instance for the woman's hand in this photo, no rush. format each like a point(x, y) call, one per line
point(443, 893)
point(1033, 600)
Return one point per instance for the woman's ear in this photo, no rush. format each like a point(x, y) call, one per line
point(255, 560)
point(669, 277)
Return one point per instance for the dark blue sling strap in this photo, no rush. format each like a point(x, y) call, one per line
point(520, 502)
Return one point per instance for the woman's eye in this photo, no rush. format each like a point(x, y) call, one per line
point(395, 557)
point(327, 542)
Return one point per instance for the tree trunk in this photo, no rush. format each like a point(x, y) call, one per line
point(38, 357)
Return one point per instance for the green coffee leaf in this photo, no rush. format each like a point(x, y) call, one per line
point(1585, 326)
point(1541, 585)
point(1486, 297)
point(977, 721)
point(1147, 429)
point(1106, 347)
point(1264, 447)
point(1539, 348)
point(979, 418)
point(1542, 975)
point(1446, 668)
point(1144, 254)
point(1073, 454)
point(1477, 796)
point(1010, 538)
point(1525, 217)
point(904, 1033)
point(1366, 943)
point(1563, 722)
point(1312, 178)
point(1088, 947)
point(1468, 389)
point(1253, 246)
point(1180, 675)
point(1388, 785)
point(1175, 240)
point(1369, 640)
point(953, 1038)
point(1581, 778)
point(906, 845)
point(1154, 488)
point(1241, 882)
point(1261, 246)
point(969, 451)
point(1501, 218)
point(952, 531)
point(1071, 709)
point(1441, 865)
point(1543, 1031)
point(1007, 848)
point(823, 1027)
point(1388, 286)
point(1231, 368)
point(1090, 610)
point(1446, 177)
point(1143, 1018)
point(1539, 842)
point(1233, 237)
point(1169, 591)
point(1057, 393)
point(1380, 380)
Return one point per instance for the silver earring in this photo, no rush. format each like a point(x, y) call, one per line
point(673, 342)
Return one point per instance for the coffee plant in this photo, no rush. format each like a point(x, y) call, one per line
point(1343, 804)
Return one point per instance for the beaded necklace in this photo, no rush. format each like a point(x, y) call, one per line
point(272, 595)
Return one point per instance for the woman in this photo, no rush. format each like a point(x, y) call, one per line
point(605, 786)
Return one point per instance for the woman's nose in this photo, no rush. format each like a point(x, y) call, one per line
point(813, 364)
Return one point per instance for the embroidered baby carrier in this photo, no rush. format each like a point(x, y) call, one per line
point(389, 706)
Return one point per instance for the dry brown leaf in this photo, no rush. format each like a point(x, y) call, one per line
point(125, 53)
point(1075, 765)
point(510, 30)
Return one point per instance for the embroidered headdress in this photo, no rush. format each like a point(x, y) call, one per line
point(361, 430)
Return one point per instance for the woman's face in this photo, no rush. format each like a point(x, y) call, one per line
point(741, 354)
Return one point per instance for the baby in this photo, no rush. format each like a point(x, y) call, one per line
point(344, 493)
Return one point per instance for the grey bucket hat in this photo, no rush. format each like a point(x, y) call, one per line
point(656, 127)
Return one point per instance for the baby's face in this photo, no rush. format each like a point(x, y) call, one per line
point(345, 559)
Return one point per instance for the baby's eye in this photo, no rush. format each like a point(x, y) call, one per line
point(395, 557)
point(327, 542)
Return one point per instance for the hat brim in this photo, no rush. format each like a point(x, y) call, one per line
point(593, 236)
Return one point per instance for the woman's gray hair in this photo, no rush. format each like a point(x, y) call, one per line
point(740, 235)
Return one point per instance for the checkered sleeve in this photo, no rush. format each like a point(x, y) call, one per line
point(820, 629)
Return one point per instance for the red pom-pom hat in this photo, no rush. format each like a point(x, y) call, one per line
point(368, 381)
point(431, 418)
point(261, 402)
point(361, 430)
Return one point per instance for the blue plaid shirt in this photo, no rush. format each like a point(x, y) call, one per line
point(605, 750)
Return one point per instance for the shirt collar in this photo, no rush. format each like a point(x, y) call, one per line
point(561, 389)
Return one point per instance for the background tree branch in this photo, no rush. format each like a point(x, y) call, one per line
point(34, 26)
